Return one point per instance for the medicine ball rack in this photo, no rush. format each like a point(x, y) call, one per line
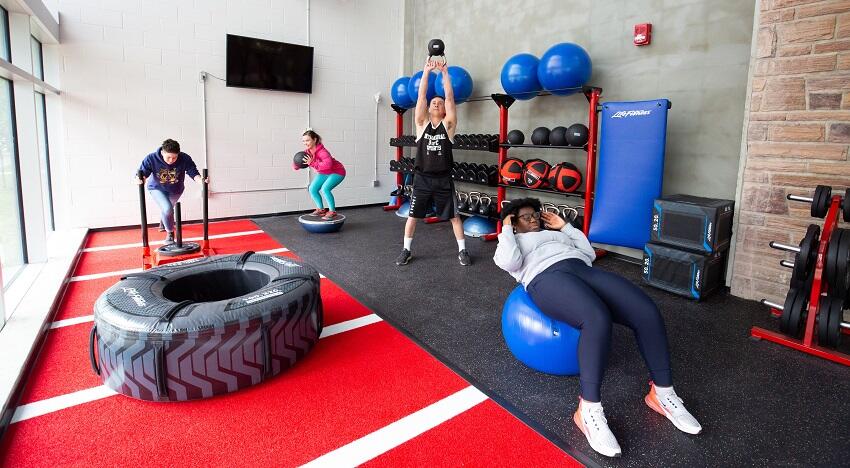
point(820, 283)
point(504, 101)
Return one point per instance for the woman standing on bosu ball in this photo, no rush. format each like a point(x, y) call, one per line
point(330, 173)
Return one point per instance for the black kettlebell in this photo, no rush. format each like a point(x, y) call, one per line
point(436, 47)
point(463, 203)
point(474, 202)
point(486, 202)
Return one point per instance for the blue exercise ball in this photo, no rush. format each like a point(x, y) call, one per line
point(400, 95)
point(535, 339)
point(461, 84)
point(477, 226)
point(403, 210)
point(564, 65)
point(413, 86)
point(519, 76)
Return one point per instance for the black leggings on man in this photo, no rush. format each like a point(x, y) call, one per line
point(591, 300)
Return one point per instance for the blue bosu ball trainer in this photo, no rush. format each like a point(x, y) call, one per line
point(477, 226)
point(538, 341)
point(317, 225)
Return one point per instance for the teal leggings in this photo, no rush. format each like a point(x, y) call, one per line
point(324, 183)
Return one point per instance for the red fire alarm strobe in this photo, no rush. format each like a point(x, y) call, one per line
point(643, 34)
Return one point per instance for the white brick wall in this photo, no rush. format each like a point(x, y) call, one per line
point(130, 78)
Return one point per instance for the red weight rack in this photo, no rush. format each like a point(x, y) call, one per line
point(819, 287)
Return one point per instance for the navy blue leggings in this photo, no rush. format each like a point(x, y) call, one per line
point(591, 300)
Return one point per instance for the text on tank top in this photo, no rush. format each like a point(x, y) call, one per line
point(434, 151)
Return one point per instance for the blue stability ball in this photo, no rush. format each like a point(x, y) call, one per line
point(413, 86)
point(400, 95)
point(535, 339)
point(317, 225)
point(564, 65)
point(461, 84)
point(519, 76)
point(403, 210)
point(477, 226)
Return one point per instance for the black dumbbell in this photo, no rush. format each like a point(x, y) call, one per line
point(481, 177)
point(829, 319)
point(805, 255)
point(820, 201)
point(492, 176)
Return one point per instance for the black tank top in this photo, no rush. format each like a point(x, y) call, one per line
point(434, 151)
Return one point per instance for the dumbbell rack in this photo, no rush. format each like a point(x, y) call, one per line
point(818, 289)
point(504, 101)
point(399, 152)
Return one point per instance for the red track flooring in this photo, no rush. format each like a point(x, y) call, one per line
point(351, 384)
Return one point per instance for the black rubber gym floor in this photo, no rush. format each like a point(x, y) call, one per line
point(760, 404)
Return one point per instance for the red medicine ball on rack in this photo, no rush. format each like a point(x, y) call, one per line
point(535, 173)
point(511, 171)
point(564, 177)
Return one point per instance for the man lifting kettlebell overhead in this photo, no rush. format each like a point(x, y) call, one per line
point(436, 123)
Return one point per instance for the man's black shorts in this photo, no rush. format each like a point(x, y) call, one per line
point(437, 192)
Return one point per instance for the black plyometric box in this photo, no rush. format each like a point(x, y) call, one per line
point(690, 274)
point(695, 223)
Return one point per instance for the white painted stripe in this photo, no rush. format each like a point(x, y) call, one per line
point(136, 270)
point(61, 402)
point(331, 330)
point(40, 408)
point(104, 275)
point(399, 432)
point(162, 242)
point(72, 321)
point(274, 251)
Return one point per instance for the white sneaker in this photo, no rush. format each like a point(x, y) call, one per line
point(672, 407)
point(591, 420)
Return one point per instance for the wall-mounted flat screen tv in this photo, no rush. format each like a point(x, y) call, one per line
point(262, 64)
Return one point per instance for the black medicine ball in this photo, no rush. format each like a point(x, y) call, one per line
point(558, 136)
point(516, 137)
point(577, 135)
point(540, 136)
point(299, 159)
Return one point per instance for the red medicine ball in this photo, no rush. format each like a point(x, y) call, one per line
point(511, 171)
point(536, 171)
point(564, 177)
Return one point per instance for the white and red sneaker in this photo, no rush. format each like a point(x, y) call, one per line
point(319, 212)
point(590, 418)
point(665, 402)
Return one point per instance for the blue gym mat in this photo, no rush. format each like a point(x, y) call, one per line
point(630, 169)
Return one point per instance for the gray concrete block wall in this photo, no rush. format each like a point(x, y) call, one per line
point(698, 59)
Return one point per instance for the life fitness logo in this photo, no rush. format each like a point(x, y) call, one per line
point(135, 296)
point(631, 113)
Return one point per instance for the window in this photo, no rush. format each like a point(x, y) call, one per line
point(44, 157)
point(37, 59)
point(12, 247)
point(5, 51)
